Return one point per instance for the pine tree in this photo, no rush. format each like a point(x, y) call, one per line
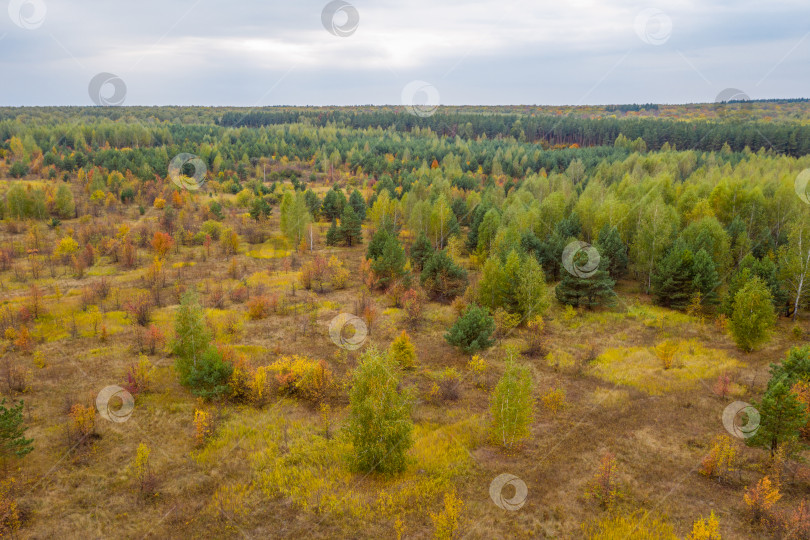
point(359, 205)
point(390, 265)
point(12, 432)
point(377, 243)
point(333, 236)
point(332, 207)
point(794, 368)
point(752, 314)
point(596, 290)
point(442, 278)
point(610, 245)
point(198, 363)
point(421, 251)
point(781, 416)
point(472, 331)
point(350, 229)
point(672, 282)
point(379, 423)
point(705, 279)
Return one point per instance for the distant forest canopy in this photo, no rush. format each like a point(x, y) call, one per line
point(515, 141)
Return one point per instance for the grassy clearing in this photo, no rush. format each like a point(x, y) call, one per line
point(643, 369)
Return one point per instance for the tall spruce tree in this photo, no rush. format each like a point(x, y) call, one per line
point(350, 228)
point(672, 281)
point(592, 291)
point(781, 416)
point(610, 245)
point(377, 243)
point(12, 432)
point(359, 205)
point(442, 278)
point(333, 236)
point(705, 279)
point(421, 251)
point(389, 266)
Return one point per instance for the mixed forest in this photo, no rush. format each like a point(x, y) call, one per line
point(321, 322)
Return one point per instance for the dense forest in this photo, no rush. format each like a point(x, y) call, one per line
point(529, 321)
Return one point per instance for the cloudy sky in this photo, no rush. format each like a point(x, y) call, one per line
point(312, 52)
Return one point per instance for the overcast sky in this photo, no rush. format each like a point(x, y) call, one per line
point(267, 52)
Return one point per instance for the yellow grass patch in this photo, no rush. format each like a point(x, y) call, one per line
point(294, 460)
point(641, 367)
point(608, 397)
point(560, 359)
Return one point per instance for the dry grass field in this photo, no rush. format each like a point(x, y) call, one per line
point(279, 469)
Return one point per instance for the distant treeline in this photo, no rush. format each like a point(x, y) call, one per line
point(783, 137)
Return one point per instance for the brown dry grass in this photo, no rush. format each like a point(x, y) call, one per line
point(658, 440)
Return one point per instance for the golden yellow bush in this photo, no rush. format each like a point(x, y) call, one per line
point(83, 419)
point(708, 529)
point(761, 498)
point(203, 426)
point(445, 522)
point(304, 377)
point(722, 458)
point(554, 400)
point(403, 352)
